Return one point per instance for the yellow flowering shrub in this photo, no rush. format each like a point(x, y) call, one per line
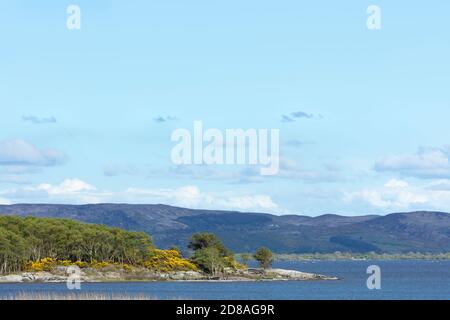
point(44, 264)
point(168, 260)
point(99, 264)
point(81, 264)
point(64, 263)
point(127, 267)
point(232, 263)
point(49, 264)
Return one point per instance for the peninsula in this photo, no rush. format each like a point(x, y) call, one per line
point(53, 250)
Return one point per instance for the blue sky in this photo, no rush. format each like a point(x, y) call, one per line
point(80, 108)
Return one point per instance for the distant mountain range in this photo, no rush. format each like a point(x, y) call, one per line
point(245, 232)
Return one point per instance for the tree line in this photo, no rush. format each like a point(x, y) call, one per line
point(31, 239)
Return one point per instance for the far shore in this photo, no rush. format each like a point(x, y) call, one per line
point(345, 256)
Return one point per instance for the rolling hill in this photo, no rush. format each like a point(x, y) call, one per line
point(393, 233)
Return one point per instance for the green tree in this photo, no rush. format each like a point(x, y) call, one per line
point(209, 260)
point(264, 257)
point(210, 254)
point(30, 239)
point(208, 240)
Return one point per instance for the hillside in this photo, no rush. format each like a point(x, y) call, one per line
point(393, 233)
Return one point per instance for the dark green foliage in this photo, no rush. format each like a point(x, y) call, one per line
point(264, 257)
point(30, 239)
point(210, 254)
point(208, 240)
point(209, 260)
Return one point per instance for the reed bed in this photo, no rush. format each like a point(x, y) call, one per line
point(75, 296)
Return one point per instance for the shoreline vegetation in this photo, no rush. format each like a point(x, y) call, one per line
point(90, 275)
point(345, 256)
point(47, 249)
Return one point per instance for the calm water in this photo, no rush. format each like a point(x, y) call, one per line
point(400, 280)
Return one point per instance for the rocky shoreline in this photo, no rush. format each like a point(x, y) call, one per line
point(91, 275)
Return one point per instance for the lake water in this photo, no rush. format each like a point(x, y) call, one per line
point(399, 280)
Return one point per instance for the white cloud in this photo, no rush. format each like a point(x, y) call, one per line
point(189, 196)
point(192, 197)
point(427, 163)
point(256, 202)
point(68, 186)
point(394, 183)
point(69, 191)
point(439, 185)
point(4, 201)
point(398, 194)
point(78, 192)
point(21, 153)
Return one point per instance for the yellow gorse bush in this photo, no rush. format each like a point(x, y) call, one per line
point(100, 264)
point(231, 262)
point(65, 263)
point(167, 261)
point(49, 264)
point(160, 260)
point(44, 264)
point(81, 264)
point(126, 267)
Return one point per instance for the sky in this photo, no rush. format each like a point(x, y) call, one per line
point(86, 115)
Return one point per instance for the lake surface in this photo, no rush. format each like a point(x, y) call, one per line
point(399, 280)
